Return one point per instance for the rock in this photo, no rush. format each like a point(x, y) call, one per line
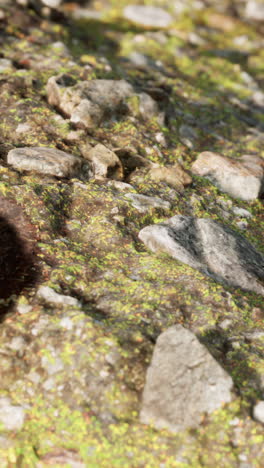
point(105, 162)
point(45, 161)
point(209, 247)
point(51, 297)
point(241, 212)
point(12, 417)
point(148, 16)
point(90, 103)
point(174, 176)
point(183, 382)
point(258, 412)
point(241, 178)
point(5, 65)
point(144, 203)
point(254, 10)
point(188, 135)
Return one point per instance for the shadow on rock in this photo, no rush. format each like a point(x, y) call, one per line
point(18, 267)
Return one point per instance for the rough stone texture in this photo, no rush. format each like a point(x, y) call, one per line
point(174, 176)
point(11, 416)
point(50, 296)
point(243, 178)
point(148, 16)
point(183, 382)
point(91, 103)
point(44, 160)
point(144, 203)
point(105, 162)
point(258, 412)
point(209, 247)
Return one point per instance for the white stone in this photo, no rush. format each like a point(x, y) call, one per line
point(148, 16)
point(258, 412)
point(50, 296)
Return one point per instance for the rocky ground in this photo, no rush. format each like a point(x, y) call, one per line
point(131, 220)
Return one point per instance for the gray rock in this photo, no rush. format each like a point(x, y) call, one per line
point(183, 382)
point(50, 296)
point(258, 412)
point(105, 162)
point(44, 160)
point(243, 178)
point(188, 135)
point(12, 417)
point(144, 203)
point(90, 103)
point(210, 247)
point(148, 16)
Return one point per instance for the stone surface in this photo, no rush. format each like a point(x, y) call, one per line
point(146, 15)
point(91, 103)
point(174, 176)
point(258, 412)
point(183, 382)
point(254, 10)
point(11, 416)
point(51, 297)
point(210, 247)
point(242, 178)
point(105, 163)
point(144, 203)
point(44, 160)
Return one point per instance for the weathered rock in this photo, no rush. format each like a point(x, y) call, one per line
point(210, 247)
point(258, 412)
point(243, 178)
point(144, 203)
point(148, 16)
point(105, 162)
point(174, 176)
point(51, 297)
point(90, 103)
point(44, 160)
point(254, 10)
point(183, 382)
point(12, 417)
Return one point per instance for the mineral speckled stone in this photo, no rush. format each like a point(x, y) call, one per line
point(210, 247)
point(146, 15)
point(258, 412)
point(44, 160)
point(183, 382)
point(242, 178)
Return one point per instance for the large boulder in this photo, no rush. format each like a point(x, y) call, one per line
point(183, 382)
point(210, 247)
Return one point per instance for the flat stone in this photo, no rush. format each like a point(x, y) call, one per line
point(105, 162)
point(241, 178)
point(148, 16)
point(44, 160)
point(183, 382)
point(143, 203)
point(50, 296)
point(209, 247)
point(91, 103)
